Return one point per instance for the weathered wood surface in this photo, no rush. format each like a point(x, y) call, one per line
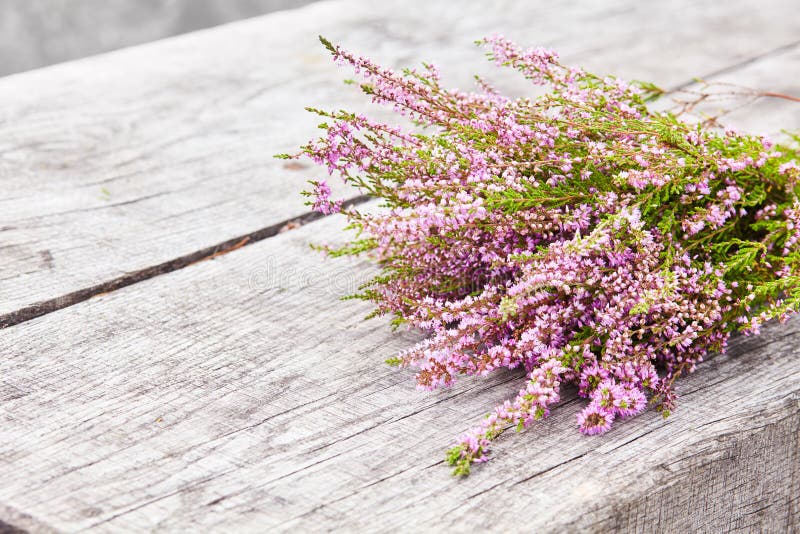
point(239, 393)
point(779, 72)
point(37, 33)
point(116, 164)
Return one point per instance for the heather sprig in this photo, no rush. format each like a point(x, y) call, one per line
point(579, 235)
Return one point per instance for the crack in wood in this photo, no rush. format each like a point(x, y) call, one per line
point(547, 470)
point(151, 501)
point(39, 309)
point(736, 66)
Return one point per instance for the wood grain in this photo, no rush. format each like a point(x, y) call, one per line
point(767, 115)
point(114, 164)
point(240, 394)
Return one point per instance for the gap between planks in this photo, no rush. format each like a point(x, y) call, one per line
point(44, 307)
point(736, 66)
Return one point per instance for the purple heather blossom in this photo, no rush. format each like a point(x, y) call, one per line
point(595, 419)
point(577, 236)
point(322, 202)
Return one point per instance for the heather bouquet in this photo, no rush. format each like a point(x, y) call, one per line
point(579, 235)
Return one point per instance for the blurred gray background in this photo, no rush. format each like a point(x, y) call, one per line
point(35, 33)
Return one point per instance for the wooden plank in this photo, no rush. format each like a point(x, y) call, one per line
point(779, 73)
point(36, 33)
point(116, 166)
point(241, 394)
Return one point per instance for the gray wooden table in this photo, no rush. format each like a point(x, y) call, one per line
point(142, 389)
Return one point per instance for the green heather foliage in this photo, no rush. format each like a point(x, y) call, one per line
point(578, 235)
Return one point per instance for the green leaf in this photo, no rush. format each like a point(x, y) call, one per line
point(327, 44)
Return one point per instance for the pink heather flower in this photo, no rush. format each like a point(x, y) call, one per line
point(591, 376)
point(693, 227)
point(715, 216)
point(631, 401)
point(577, 235)
point(784, 168)
point(606, 393)
point(792, 216)
point(595, 420)
point(322, 202)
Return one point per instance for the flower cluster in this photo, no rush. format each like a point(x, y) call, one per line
point(578, 235)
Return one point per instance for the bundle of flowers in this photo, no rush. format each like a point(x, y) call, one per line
point(578, 235)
